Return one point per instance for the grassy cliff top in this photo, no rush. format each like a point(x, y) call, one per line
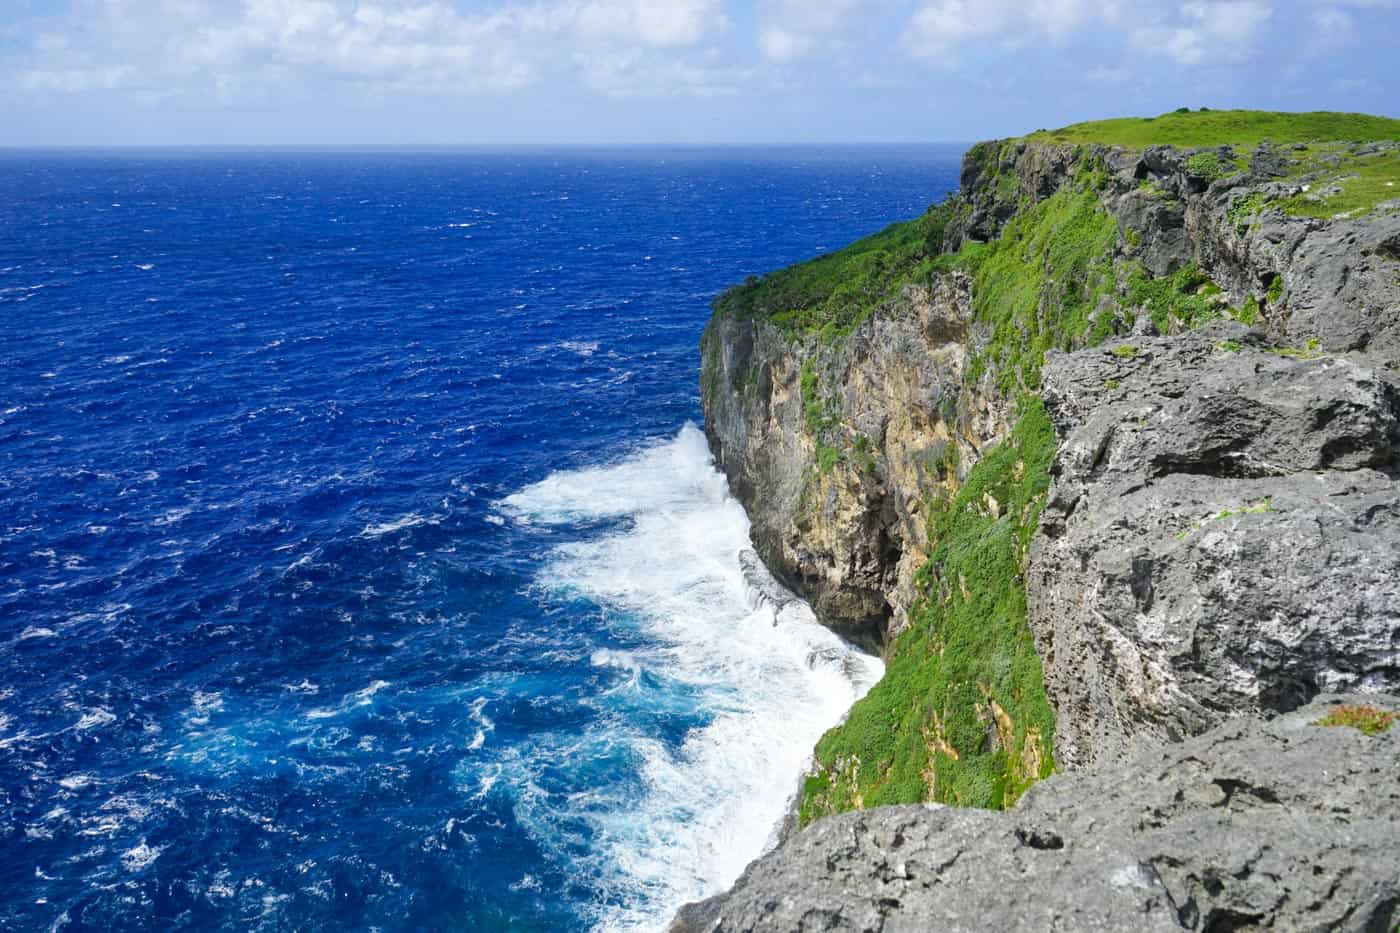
point(1188, 129)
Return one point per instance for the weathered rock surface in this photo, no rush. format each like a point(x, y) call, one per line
point(1340, 277)
point(847, 537)
point(1255, 825)
point(1222, 535)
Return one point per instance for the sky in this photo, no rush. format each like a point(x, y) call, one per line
point(469, 72)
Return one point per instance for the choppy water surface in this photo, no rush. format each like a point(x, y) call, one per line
point(360, 562)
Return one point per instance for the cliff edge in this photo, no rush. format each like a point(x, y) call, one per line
point(1100, 453)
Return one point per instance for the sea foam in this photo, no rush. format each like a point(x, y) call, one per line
point(718, 633)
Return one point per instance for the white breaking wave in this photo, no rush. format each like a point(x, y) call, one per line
point(720, 636)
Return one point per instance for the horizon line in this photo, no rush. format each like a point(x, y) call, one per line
point(78, 147)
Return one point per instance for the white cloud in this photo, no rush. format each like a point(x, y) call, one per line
point(650, 22)
point(1331, 27)
point(632, 74)
point(427, 45)
point(780, 45)
point(793, 29)
point(1189, 33)
point(938, 31)
point(1219, 31)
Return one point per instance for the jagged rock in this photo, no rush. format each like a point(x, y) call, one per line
point(1222, 535)
point(1280, 825)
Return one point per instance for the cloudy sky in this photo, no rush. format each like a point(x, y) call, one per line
point(608, 71)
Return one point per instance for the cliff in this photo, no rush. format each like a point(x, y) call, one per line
point(1100, 452)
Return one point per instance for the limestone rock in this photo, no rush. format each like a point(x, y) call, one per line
point(1222, 535)
point(1281, 825)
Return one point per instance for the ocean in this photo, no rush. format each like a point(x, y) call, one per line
point(362, 564)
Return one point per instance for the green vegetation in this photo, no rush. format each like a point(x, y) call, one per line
point(1312, 350)
point(832, 294)
point(1245, 208)
point(1262, 507)
point(1125, 352)
point(1248, 314)
point(1205, 165)
point(1040, 282)
point(1187, 297)
point(1367, 719)
point(1188, 130)
point(961, 715)
point(1340, 181)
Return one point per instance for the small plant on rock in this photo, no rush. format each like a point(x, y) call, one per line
point(1366, 719)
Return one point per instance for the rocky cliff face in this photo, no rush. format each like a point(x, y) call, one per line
point(1223, 534)
point(1102, 454)
point(840, 449)
point(834, 448)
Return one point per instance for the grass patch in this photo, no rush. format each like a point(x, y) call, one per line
point(1038, 285)
point(1366, 719)
point(832, 294)
point(1344, 183)
point(961, 715)
point(1224, 128)
point(1248, 313)
point(1262, 507)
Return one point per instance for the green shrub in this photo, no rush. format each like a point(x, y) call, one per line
point(1205, 165)
point(1249, 313)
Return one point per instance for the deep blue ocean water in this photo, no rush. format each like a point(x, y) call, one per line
point(360, 563)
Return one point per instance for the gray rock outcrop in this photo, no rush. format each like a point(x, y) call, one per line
point(1222, 535)
point(1280, 825)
